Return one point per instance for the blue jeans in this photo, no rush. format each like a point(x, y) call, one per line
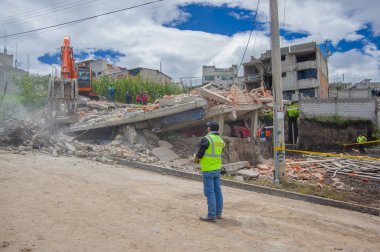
point(213, 193)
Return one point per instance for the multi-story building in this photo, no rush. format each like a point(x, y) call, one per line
point(223, 77)
point(304, 72)
point(150, 74)
point(100, 67)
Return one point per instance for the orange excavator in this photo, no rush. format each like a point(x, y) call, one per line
point(80, 72)
point(65, 90)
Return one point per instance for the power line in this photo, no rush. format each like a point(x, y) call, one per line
point(46, 12)
point(250, 34)
point(31, 11)
point(82, 19)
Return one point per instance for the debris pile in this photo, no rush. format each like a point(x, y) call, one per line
point(15, 132)
point(131, 132)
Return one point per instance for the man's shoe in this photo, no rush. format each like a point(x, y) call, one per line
point(219, 216)
point(206, 218)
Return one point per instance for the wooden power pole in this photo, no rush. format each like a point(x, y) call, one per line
point(278, 106)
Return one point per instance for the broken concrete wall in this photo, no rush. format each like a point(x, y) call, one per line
point(241, 149)
point(314, 134)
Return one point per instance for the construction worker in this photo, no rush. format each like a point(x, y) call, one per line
point(267, 134)
point(139, 98)
point(361, 139)
point(262, 135)
point(210, 158)
point(145, 98)
point(128, 97)
point(111, 92)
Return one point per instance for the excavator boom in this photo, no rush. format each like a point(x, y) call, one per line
point(64, 91)
point(67, 60)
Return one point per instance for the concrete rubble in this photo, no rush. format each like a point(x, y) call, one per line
point(173, 112)
point(106, 131)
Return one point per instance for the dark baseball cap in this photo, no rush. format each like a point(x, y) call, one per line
point(214, 126)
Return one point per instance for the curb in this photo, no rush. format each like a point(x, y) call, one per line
point(257, 188)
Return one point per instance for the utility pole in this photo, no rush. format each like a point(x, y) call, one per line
point(278, 106)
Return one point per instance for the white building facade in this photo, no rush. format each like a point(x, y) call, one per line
point(223, 77)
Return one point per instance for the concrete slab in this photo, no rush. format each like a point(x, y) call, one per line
point(232, 168)
point(164, 153)
point(164, 143)
point(180, 163)
point(248, 174)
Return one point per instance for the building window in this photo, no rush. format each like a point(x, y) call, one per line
point(288, 94)
point(306, 57)
point(282, 57)
point(224, 77)
point(307, 74)
point(309, 92)
point(283, 74)
point(209, 77)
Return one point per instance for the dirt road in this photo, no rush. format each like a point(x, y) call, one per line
point(70, 204)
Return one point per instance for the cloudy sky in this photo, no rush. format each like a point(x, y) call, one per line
point(185, 34)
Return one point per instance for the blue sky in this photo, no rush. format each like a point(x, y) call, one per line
point(184, 35)
point(79, 55)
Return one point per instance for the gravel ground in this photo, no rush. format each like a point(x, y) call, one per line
point(70, 204)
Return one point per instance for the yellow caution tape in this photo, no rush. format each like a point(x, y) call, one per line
point(324, 154)
point(368, 142)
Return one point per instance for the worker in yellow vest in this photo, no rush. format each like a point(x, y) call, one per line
point(210, 158)
point(361, 139)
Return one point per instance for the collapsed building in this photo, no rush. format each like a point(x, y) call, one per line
point(304, 72)
point(178, 112)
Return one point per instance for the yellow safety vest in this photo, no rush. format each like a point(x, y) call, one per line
point(212, 159)
point(361, 139)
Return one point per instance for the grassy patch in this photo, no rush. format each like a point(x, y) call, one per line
point(337, 121)
point(302, 188)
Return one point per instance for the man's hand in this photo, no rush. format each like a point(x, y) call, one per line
point(196, 160)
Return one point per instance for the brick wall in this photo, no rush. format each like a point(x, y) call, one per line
point(347, 108)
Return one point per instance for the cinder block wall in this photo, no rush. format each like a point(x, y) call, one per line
point(347, 108)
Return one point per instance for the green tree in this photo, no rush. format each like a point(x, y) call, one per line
point(33, 88)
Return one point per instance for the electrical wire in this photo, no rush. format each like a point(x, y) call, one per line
point(31, 11)
point(249, 39)
point(81, 20)
point(32, 16)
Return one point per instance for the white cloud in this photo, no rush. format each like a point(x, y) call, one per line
point(141, 36)
point(239, 15)
point(355, 66)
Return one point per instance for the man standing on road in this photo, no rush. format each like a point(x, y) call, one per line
point(210, 158)
point(361, 140)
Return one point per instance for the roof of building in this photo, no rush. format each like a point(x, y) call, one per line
point(300, 48)
point(137, 70)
